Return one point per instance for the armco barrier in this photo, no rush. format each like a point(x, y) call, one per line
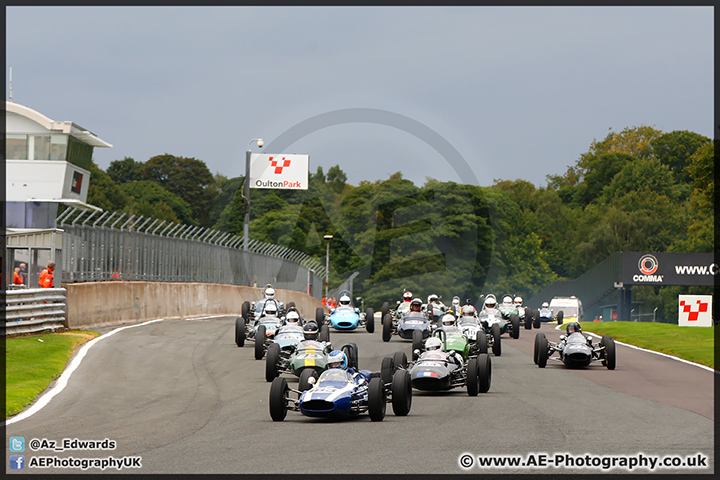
point(105, 303)
point(34, 309)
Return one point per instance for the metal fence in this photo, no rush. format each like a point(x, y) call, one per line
point(34, 310)
point(111, 246)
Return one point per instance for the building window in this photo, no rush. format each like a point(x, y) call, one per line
point(58, 147)
point(16, 147)
point(41, 147)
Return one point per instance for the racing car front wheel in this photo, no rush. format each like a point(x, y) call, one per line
point(542, 355)
point(387, 369)
point(324, 335)
point(387, 327)
point(304, 382)
point(401, 393)
point(515, 322)
point(537, 346)
point(271, 362)
point(484, 372)
point(536, 319)
point(473, 377)
point(245, 309)
point(495, 330)
point(609, 345)
point(260, 342)
point(377, 400)
point(417, 342)
point(278, 401)
point(370, 320)
point(240, 331)
point(481, 341)
point(400, 359)
point(385, 308)
point(319, 316)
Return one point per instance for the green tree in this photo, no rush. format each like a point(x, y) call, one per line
point(150, 199)
point(189, 179)
point(675, 149)
point(125, 170)
point(103, 192)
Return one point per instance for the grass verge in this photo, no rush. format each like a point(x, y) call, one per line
point(34, 361)
point(695, 344)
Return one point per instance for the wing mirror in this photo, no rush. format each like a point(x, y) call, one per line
point(562, 337)
point(416, 352)
point(312, 380)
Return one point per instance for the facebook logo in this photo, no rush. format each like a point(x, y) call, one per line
point(17, 462)
point(17, 444)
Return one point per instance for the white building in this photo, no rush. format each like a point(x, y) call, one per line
point(46, 163)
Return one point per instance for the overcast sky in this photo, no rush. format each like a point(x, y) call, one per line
point(442, 92)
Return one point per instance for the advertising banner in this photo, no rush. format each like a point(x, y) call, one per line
point(640, 268)
point(279, 171)
point(695, 310)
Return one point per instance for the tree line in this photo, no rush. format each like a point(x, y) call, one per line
point(636, 190)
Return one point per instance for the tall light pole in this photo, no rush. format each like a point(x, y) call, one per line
point(327, 262)
point(246, 227)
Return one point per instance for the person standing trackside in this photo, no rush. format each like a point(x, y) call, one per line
point(46, 276)
point(17, 278)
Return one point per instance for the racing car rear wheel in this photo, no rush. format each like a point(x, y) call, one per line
point(240, 331)
point(609, 344)
point(385, 308)
point(401, 393)
point(537, 347)
point(481, 341)
point(387, 327)
point(245, 309)
point(370, 320)
point(473, 377)
point(304, 382)
point(319, 316)
point(560, 316)
point(351, 350)
point(528, 319)
point(536, 319)
point(387, 369)
point(324, 335)
point(260, 342)
point(271, 362)
point(417, 342)
point(495, 330)
point(515, 322)
point(377, 400)
point(542, 355)
point(278, 402)
point(400, 359)
point(484, 372)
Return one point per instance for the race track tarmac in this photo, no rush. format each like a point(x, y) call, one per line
point(181, 396)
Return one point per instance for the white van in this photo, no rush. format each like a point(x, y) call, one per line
point(570, 306)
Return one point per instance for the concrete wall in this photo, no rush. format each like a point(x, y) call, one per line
point(105, 303)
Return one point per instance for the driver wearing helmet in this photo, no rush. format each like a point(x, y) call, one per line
point(338, 359)
point(311, 331)
point(490, 303)
point(407, 297)
point(545, 305)
point(455, 306)
point(270, 309)
point(448, 323)
point(416, 305)
point(269, 292)
point(573, 327)
point(468, 311)
point(518, 301)
point(344, 301)
point(434, 349)
point(293, 317)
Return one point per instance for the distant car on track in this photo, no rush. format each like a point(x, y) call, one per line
point(575, 350)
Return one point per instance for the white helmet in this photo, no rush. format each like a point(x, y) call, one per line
point(507, 299)
point(292, 317)
point(518, 300)
point(469, 310)
point(432, 298)
point(270, 292)
point(433, 343)
point(448, 320)
point(490, 302)
point(545, 305)
point(270, 308)
point(344, 300)
point(456, 301)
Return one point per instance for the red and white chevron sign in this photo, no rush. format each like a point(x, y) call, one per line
point(279, 171)
point(695, 310)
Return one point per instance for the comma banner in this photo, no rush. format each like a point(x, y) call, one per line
point(279, 171)
point(655, 268)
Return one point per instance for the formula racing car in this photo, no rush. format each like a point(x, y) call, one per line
point(346, 316)
point(575, 350)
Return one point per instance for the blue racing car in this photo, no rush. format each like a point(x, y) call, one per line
point(343, 392)
point(346, 316)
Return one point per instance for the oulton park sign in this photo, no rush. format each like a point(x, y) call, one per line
point(279, 171)
point(639, 268)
